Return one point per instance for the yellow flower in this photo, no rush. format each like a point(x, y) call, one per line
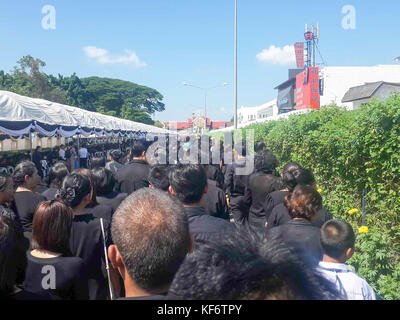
point(319, 190)
point(363, 229)
point(352, 211)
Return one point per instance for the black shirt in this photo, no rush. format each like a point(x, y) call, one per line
point(26, 203)
point(280, 215)
point(215, 201)
point(99, 211)
point(204, 227)
point(300, 235)
point(86, 242)
point(133, 176)
point(272, 200)
point(113, 199)
point(70, 283)
point(50, 193)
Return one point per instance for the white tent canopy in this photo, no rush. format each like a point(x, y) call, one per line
point(20, 114)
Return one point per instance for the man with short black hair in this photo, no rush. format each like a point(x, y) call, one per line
point(158, 177)
point(151, 239)
point(337, 241)
point(133, 175)
point(189, 184)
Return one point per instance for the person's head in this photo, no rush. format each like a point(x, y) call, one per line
point(8, 256)
point(62, 147)
point(306, 177)
point(117, 156)
point(158, 177)
point(188, 182)
point(338, 239)
point(244, 266)
point(304, 202)
point(97, 162)
point(151, 239)
point(240, 148)
point(104, 181)
point(51, 227)
point(38, 149)
point(88, 173)
point(6, 188)
point(26, 175)
point(259, 146)
point(76, 190)
point(290, 173)
point(138, 149)
point(57, 173)
point(267, 161)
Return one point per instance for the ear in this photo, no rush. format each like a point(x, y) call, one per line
point(191, 245)
point(27, 178)
point(349, 253)
point(171, 191)
point(115, 258)
point(143, 153)
point(206, 189)
point(151, 186)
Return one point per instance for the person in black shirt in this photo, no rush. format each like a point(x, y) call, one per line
point(26, 200)
point(133, 175)
point(236, 182)
point(117, 161)
point(280, 213)
point(290, 174)
point(37, 158)
point(299, 233)
point(86, 240)
point(10, 263)
point(51, 268)
point(263, 181)
point(104, 181)
point(151, 235)
point(94, 207)
point(57, 174)
point(189, 184)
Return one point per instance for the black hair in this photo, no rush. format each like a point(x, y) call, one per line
point(138, 148)
point(25, 168)
point(158, 177)
point(151, 231)
point(240, 147)
point(103, 180)
point(290, 173)
point(336, 237)
point(57, 173)
point(5, 178)
point(97, 162)
point(266, 161)
point(243, 265)
point(188, 182)
point(74, 188)
point(117, 155)
point(306, 177)
point(259, 146)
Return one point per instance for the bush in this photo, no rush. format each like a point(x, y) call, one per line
point(352, 151)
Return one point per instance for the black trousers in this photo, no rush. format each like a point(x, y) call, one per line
point(238, 210)
point(83, 163)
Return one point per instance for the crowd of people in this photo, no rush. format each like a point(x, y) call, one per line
point(118, 227)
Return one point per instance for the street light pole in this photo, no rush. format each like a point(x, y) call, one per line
point(235, 72)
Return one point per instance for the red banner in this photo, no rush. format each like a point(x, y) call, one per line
point(307, 89)
point(299, 51)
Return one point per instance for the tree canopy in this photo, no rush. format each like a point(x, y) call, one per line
point(113, 97)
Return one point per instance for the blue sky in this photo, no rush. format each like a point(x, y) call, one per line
point(174, 41)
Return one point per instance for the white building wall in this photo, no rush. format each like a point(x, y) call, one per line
point(338, 80)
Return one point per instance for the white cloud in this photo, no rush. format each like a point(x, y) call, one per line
point(277, 55)
point(104, 57)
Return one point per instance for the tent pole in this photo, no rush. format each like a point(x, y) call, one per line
point(31, 144)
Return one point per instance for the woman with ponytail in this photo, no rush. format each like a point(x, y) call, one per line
point(86, 239)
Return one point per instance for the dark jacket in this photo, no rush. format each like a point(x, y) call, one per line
point(272, 200)
point(215, 201)
point(300, 235)
point(133, 176)
point(113, 199)
point(260, 184)
point(204, 227)
point(280, 215)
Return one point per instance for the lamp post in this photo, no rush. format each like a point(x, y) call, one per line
point(397, 59)
point(235, 73)
point(205, 95)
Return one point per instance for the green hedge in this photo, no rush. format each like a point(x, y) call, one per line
point(350, 151)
